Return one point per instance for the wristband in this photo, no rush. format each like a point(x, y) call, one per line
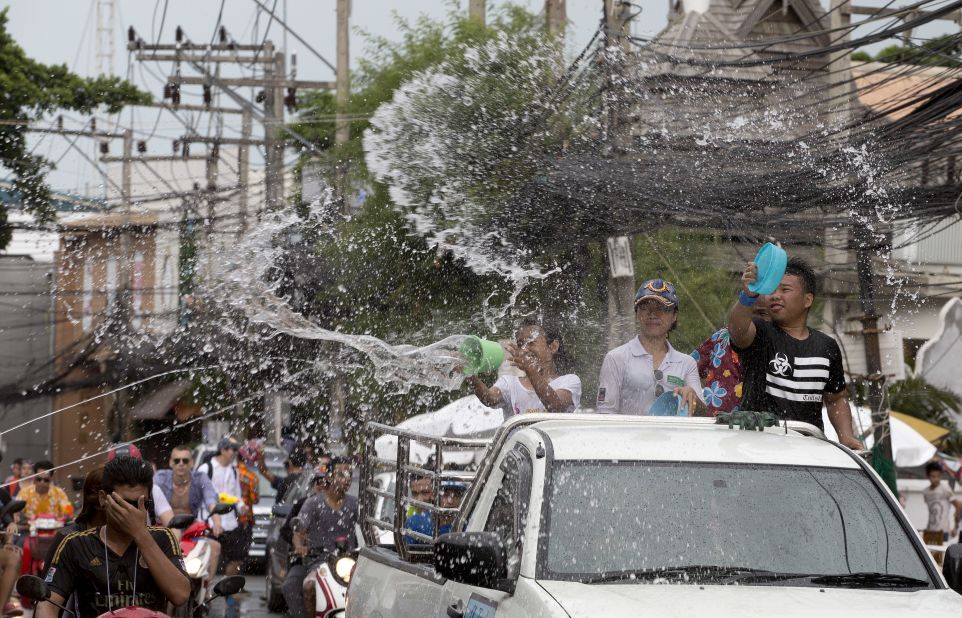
point(746, 300)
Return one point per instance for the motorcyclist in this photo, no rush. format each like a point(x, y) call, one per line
point(45, 497)
point(148, 566)
point(326, 516)
point(189, 493)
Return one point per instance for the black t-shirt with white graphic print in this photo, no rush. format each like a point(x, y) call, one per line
point(787, 376)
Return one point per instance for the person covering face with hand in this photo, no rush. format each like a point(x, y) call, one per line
point(789, 369)
point(537, 352)
point(635, 374)
point(124, 562)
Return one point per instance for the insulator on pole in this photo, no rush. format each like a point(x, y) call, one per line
point(179, 35)
point(208, 98)
point(131, 34)
point(141, 146)
point(104, 147)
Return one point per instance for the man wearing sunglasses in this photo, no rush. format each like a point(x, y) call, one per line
point(635, 374)
point(188, 492)
point(43, 497)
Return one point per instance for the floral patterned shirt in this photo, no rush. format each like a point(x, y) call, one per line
point(721, 374)
point(55, 502)
point(249, 489)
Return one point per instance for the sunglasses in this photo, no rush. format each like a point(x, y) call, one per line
point(181, 460)
point(659, 388)
point(42, 479)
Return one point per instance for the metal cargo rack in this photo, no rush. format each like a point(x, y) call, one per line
point(404, 472)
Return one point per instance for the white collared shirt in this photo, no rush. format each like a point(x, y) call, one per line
point(627, 382)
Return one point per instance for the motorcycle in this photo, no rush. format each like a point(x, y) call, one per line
point(197, 555)
point(43, 529)
point(331, 578)
point(37, 589)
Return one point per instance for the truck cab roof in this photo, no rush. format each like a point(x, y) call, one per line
point(637, 438)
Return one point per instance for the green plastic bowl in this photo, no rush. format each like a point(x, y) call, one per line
point(481, 355)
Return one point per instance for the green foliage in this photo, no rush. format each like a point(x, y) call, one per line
point(706, 288)
point(917, 397)
point(30, 90)
point(941, 51)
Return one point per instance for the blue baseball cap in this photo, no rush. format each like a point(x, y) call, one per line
point(657, 289)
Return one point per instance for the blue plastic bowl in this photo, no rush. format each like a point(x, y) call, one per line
point(668, 404)
point(771, 261)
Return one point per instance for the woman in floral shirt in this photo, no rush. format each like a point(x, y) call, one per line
point(720, 368)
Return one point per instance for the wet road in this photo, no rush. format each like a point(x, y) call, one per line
point(252, 600)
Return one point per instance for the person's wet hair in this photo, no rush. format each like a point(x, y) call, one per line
point(801, 269)
point(127, 471)
point(933, 466)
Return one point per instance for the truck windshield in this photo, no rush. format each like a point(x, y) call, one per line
point(610, 519)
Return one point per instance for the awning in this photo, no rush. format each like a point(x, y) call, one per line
point(157, 404)
point(931, 432)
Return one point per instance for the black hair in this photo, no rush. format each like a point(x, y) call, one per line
point(297, 459)
point(552, 332)
point(932, 466)
point(90, 505)
point(18, 461)
point(43, 464)
point(803, 270)
point(127, 471)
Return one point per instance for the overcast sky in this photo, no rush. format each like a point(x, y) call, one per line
point(64, 31)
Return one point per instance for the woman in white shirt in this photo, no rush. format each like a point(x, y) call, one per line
point(537, 353)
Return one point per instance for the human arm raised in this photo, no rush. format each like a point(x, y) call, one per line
point(554, 400)
point(740, 325)
point(489, 396)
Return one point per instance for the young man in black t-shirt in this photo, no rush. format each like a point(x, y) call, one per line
point(789, 369)
point(124, 563)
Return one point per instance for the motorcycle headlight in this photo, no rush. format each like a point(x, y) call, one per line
point(344, 568)
point(193, 566)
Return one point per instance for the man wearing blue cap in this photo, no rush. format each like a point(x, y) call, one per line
point(635, 374)
point(222, 472)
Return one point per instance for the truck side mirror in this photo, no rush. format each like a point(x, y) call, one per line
point(952, 567)
point(473, 558)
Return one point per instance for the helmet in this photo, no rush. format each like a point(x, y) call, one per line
point(124, 450)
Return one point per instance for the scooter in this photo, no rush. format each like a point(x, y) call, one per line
point(43, 529)
point(36, 589)
point(197, 554)
point(331, 580)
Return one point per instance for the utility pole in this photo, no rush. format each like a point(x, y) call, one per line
point(243, 162)
point(621, 271)
point(476, 10)
point(342, 134)
point(343, 128)
point(122, 401)
point(555, 16)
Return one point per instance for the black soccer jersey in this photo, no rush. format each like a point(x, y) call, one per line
point(80, 566)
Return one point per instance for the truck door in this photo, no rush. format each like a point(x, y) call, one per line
point(510, 485)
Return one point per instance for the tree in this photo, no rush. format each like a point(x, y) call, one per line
point(941, 51)
point(31, 90)
point(917, 397)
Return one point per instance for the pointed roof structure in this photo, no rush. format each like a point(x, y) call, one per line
point(701, 33)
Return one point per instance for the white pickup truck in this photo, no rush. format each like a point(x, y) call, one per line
point(589, 515)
